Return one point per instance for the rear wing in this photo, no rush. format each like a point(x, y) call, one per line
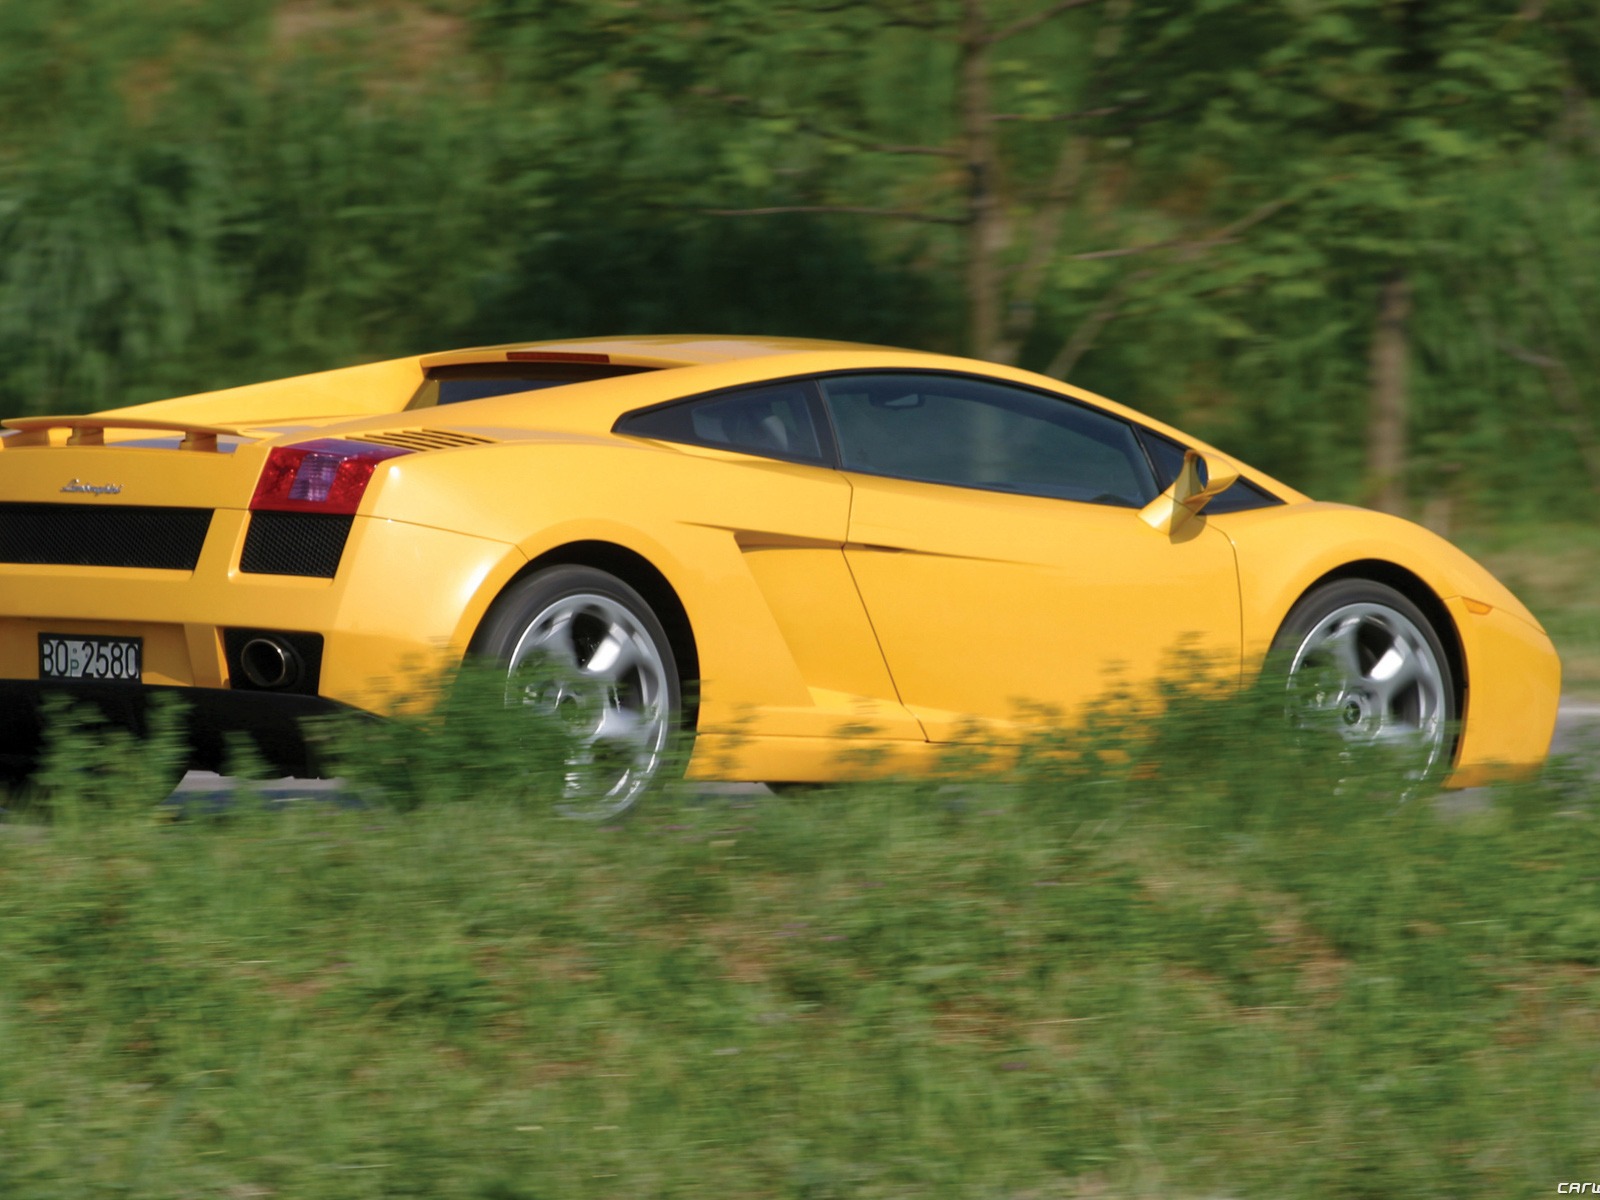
point(91, 431)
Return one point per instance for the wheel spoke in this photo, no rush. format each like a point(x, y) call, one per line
point(620, 725)
point(616, 655)
point(553, 642)
point(1324, 695)
point(1392, 732)
point(1344, 645)
point(1397, 670)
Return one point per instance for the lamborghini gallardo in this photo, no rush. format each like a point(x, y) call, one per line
point(780, 549)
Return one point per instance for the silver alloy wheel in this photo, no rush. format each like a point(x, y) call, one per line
point(1369, 672)
point(589, 661)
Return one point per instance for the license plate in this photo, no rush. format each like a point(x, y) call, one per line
point(64, 656)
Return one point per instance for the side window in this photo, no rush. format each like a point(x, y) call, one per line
point(774, 422)
point(1166, 456)
point(972, 433)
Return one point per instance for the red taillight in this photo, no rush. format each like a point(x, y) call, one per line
point(326, 476)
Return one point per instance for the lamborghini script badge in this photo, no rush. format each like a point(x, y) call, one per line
point(94, 489)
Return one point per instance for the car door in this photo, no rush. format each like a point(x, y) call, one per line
point(995, 539)
point(794, 654)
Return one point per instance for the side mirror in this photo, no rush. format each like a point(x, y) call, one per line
point(1170, 511)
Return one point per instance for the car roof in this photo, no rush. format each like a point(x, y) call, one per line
point(654, 350)
point(685, 364)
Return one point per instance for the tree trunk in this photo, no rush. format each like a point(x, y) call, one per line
point(986, 222)
point(1387, 418)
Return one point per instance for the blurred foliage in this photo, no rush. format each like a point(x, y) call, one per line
point(1163, 958)
point(198, 193)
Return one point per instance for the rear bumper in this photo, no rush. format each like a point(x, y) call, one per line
point(212, 717)
point(404, 601)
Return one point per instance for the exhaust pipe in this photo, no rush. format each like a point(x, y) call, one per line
point(270, 663)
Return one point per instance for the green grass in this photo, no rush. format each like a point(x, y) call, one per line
point(1183, 964)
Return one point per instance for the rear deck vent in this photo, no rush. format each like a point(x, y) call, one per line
point(92, 535)
point(295, 543)
point(424, 439)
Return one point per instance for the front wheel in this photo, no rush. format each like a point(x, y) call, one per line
point(1364, 661)
point(582, 647)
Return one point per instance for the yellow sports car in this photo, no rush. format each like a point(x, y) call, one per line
point(793, 548)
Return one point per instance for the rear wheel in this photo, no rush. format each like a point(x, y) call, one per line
point(582, 647)
point(1364, 662)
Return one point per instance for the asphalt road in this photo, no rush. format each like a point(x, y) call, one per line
point(1577, 731)
point(1578, 727)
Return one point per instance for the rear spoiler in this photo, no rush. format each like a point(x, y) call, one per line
point(91, 431)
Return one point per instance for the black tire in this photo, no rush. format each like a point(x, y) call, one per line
point(551, 630)
point(1362, 658)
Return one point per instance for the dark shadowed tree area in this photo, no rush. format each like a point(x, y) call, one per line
point(1353, 240)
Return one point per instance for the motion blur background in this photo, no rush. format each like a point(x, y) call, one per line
point(1353, 241)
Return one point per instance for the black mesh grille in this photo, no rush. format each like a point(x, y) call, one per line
point(292, 543)
point(81, 535)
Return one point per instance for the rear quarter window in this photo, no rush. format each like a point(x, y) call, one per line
point(458, 383)
point(773, 421)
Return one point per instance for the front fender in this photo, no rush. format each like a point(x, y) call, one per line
point(1284, 550)
point(1513, 675)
